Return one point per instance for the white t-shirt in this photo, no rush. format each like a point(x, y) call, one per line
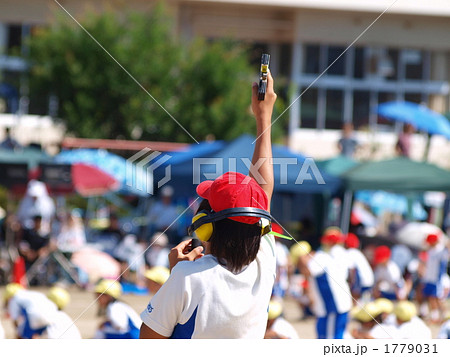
point(414, 329)
point(39, 310)
point(436, 265)
point(203, 299)
point(284, 328)
point(382, 331)
point(359, 262)
point(339, 253)
point(444, 331)
point(119, 315)
point(389, 277)
point(63, 327)
point(329, 288)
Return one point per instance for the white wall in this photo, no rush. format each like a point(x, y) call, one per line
point(322, 144)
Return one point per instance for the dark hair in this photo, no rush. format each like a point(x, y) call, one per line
point(233, 243)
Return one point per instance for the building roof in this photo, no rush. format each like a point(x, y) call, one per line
point(410, 7)
point(130, 145)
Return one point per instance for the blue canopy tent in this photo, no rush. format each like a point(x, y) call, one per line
point(297, 178)
point(293, 172)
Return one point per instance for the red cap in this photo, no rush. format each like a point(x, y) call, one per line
point(332, 235)
point(331, 238)
point(277, 228)
point(351, 241)
point(234, 190)
point(432, 238)
point(382, 253)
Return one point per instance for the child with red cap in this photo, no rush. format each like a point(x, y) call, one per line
point(330, 292)
point(223, 291)
point(435, 270)
point(389, 282)
point(361, 273)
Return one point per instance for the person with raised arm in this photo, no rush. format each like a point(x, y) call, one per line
point(222, 289)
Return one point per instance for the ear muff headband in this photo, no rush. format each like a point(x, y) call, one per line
point(202, 222)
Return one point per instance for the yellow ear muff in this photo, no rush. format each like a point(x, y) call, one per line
point(205, 231)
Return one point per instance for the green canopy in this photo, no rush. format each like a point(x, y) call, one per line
point(32, 157)
point(337, 165)
point(398, 175)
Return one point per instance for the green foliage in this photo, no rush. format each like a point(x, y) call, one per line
point(205, 86)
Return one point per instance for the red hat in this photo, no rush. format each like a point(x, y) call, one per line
point(277, 228)
point(332, 235)
point(331, 238)
point(382, 253)
point(234, 190)
point(432, 238)
point(351, 241)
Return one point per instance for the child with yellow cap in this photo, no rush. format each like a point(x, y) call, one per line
point(277, 326)
point(121, 321)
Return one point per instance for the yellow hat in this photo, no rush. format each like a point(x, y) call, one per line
point(275, 309)
point(405, 311)
point(385, 305)
point(59, 296)
point(109, 287)
point(366, 313)
point(157, 274)
point(11, 290)
point(299, 250)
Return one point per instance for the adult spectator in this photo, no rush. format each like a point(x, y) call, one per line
point(36, 202)
point(9, 143)
point(403, 145)
point(158, 252)
point(34, 243)
point(163, 215)
point(347, 144)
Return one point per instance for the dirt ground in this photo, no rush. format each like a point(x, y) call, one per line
point(83, 311)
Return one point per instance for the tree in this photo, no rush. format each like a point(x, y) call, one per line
point(204, 85)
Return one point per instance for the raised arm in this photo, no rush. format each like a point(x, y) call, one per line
point(263, 147)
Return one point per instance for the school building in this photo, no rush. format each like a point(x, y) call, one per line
point(375, 51)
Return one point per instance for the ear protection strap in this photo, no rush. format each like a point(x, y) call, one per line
point(231, 212)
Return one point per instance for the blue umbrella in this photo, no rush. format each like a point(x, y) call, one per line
point(421, 117)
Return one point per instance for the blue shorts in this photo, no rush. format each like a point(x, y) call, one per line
point(25, 331)
point(432, 290)
point(332, 326)
point(388, 295)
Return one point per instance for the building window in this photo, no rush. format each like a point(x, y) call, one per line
point(312, 59)
point(359, 80)
point(14, 36)
point(334, 111)
point(415, 97)
point(413, 61)
point(382, 98)
point(308, 103)
point(358, 67)
point(338, 68)
point(361, 108)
